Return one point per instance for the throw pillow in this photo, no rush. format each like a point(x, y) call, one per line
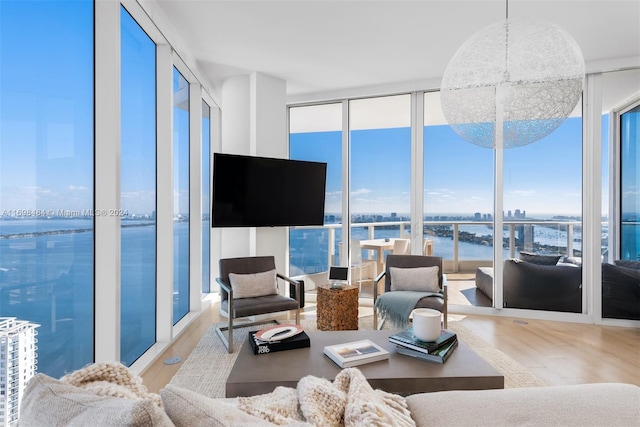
point(539, 259)
point(48, 401)
point(424, 279)
point(187, 408)
point(253, 285)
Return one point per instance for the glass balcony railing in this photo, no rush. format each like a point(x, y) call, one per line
point(463, 244)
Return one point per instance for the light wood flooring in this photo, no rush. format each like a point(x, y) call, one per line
point(558, 352)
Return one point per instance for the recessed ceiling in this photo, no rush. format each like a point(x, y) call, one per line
point(328, 46)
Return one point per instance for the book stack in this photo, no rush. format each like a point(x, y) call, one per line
point(437, 351)
point(278, 338)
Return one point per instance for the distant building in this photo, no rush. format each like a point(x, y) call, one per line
point(18, 363)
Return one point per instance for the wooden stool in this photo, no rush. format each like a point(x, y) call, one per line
point(337, 309)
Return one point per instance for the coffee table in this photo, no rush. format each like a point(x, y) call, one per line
point(258, 374)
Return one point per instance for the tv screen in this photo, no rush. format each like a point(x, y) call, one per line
point(252, 191)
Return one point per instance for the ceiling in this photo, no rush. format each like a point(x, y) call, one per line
point(324, 47)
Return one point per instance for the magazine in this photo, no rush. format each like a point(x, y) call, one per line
point(355, 353)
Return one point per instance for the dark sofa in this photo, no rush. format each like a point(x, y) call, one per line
point(558, 287)
point(542, 287)
point(620, 292)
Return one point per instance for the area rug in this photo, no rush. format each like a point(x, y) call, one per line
point(206, 369)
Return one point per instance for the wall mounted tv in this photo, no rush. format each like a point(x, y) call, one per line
point(252, 191)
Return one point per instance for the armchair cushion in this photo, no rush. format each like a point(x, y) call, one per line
point(253, 285)
point(424, 279)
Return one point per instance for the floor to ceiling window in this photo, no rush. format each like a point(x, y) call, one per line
point(180, 196)
point(543, 217)
point(458, 199)
point(46, 176)
point(315, 135)
point(206, 204)
point(630, 184)
point(380, 168)
point(138, 190)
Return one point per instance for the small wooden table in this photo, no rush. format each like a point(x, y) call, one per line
point(258, 374)
point(337, 309)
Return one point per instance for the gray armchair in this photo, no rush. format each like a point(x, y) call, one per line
point(249, 305)
point(423, 299)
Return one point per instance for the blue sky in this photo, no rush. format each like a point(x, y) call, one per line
point(46, 105)
point(540, 178)
point(46, 113)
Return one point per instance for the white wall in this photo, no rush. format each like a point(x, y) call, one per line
point(254, 122)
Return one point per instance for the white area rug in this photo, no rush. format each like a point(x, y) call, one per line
point(206, 369)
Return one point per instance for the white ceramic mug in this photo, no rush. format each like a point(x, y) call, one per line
point(426, 324)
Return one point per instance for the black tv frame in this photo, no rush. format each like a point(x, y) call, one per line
point(253, 191)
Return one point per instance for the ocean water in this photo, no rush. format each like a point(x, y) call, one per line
point(47, 277)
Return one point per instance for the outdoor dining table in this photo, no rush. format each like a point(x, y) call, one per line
point(381, 245)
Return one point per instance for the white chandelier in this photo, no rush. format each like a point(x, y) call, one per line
point(512, 83)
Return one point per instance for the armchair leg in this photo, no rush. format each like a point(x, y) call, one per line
point(227, 339)
point(228, 342)
point(375, 315)
point(376, 326)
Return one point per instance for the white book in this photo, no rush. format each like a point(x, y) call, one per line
point(355, 353)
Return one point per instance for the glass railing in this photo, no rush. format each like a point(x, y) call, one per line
point(463, 245)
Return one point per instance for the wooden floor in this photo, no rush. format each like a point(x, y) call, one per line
point(558, 352)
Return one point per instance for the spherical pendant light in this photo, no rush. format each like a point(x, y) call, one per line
point(526, 74)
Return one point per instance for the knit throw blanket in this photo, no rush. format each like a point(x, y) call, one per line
point(111, 379)
point(347, 401)
point(397, 306)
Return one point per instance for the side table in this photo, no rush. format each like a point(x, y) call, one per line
point(337, 309)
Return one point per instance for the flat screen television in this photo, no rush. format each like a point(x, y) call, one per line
point(250, 191)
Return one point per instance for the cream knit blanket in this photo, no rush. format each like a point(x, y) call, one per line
point(347, 401)
point(111, 379)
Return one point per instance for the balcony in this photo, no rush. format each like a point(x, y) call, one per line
point(464, 246)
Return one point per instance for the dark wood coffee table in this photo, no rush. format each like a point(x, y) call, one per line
point(258, 374)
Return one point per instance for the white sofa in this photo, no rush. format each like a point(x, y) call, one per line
point(51, 402)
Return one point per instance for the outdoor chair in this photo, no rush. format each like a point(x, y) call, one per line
point(401, 247)
point(249, 287)
point(409, 285)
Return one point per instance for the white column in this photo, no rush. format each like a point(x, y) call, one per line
point(195, 197)
point(591, 198)
point(417, 172)
point(107, 181)
point(498, 262)
point(254, 123)
point(235, 139)
point(269, 137)
point(164, 195)
point(345, 258)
